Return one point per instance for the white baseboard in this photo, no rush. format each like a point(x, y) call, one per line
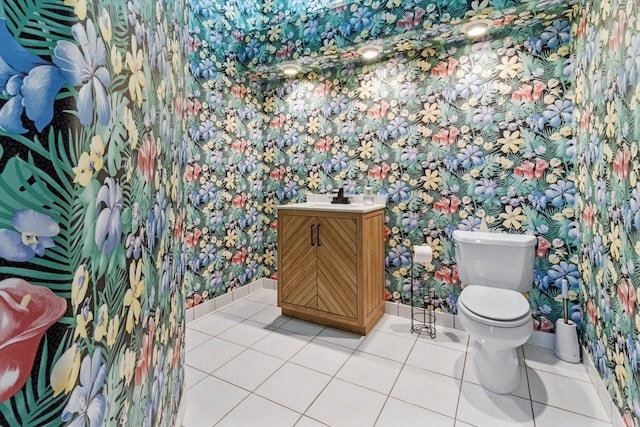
point(223, 300)
point(181, 408)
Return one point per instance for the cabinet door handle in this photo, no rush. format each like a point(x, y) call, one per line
point(318, 235)
point(312, 225)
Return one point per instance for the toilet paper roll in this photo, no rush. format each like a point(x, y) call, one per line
point(422, 253)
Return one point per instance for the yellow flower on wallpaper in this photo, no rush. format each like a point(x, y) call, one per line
point(137, 81)
point(65, 371)
point(83, 318)
point(79, 7)
point(105, 25)
point(430, 113)
point(611, 119)
point(79, 286)
point(431, 179)
point(112, 330)
point(511, 141)
point(513, 217)
point(84, 170)
point(101, 323)
point(127, 365)
point(133, 294)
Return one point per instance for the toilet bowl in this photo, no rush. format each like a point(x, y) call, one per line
point(496, 334)
point(496, 269)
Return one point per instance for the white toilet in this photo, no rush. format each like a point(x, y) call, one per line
point(496, 268)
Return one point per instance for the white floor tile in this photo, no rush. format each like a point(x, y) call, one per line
point(270, 316)
point(436, 392)
point(249, 369)
point(448, 337)
point(397, 413)
point(293, 386)
point(243, 308)
point(343, 338)
point(194, 338)
point(192, 376)
point(482, 408)
point(246, 333)
point(548, 416)
point(436, 358)
point(543, 359)
point(322, 356)
point(282, 344)
point(302, 327)
point(462, 424)
point(309, 422)
point(214, 323)
point(370, 371)
point(199, 410)
point(387, 345)
point(211, 355)
point(395, 325)
point(257, 411)
point(565, 393)
point(265, 296)
point(343, 404)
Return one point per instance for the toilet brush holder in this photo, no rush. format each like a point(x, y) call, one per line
point(566, 341)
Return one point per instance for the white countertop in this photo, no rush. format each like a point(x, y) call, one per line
point(322, 202)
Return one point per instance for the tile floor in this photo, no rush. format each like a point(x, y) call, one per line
point(247, 365)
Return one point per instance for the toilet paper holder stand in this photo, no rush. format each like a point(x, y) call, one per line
point(423, 319)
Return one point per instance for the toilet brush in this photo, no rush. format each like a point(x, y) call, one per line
point(566, 336)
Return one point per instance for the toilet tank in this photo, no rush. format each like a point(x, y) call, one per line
point(497, 260)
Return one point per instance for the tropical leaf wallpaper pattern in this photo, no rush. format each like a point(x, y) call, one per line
point(607, 126)
point(91, 159)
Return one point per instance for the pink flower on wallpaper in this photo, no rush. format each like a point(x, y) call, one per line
point(323, 89)
point(324, 144)
point(447, 275)
point(447, 206)
point(278, 173)
point(193, 237)
point(621, 163)
point(588, 214)
point(411, 19)
point(543, 324)
point(525, 169)
point(146, 354)
point(627, 295)
point(538, 88)
point(592, 311)
point(240, 256)
point(524, 93)
point(26, 312)
point(147, 157)
point(543, 246)
point(444, 69)
point(193, 172)
point(239, 201)
point(277, 122)
point(541, 166)
point(193, 107)
point(618, 31)
point(239, 91)
point(378, 109)
point(446, 137)
point(239, 145)
point(379, 172)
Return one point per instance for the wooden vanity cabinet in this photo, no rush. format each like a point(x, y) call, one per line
point(331, 267)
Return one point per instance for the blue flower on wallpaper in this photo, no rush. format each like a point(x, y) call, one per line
point(560, 193)
point(87, 404)
point(109, 222)
point(469, 85)
point(558, 272)
point(86, 68)
point(34, 232)
point(30, 83)
point(398, 256)
point(557, 33)
point(559, 112)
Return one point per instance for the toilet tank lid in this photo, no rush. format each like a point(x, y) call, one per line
point(503, 239)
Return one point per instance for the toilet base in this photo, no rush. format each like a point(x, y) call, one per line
point(497, 370)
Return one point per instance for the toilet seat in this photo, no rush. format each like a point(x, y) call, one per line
point(495, 306)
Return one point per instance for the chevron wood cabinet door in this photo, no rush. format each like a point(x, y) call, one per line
point(331, 267)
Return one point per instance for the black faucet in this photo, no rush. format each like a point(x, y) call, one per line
point(340, 199)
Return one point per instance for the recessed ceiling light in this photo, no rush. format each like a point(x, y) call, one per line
point(290, 69)
point(370, 51)
point(475, 28)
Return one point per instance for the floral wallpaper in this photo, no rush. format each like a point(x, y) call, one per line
point(91, 158)
point(463, 135)
point(607, 127)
